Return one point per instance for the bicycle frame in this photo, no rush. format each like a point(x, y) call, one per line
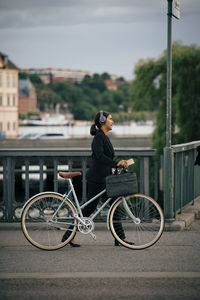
point(80, 207)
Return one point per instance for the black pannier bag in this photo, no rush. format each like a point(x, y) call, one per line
point(121, 185)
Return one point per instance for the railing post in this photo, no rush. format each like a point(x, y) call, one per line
point(141, 185)
point(27, 191)
point(155, 180)
point(55, 175)
point(146, 175)
point(41, 162)
point(9, 189)
point(168, 183)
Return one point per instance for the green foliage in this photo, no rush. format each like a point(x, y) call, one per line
point(83, 99)
point(33, 114)
point(23, 75)
point(35, 79)
point(187, 91)
point(47, 98)
point(22, 116)
point(96, 82)
point(143, 89)
point(149, 92)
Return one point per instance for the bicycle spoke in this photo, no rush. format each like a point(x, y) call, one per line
point(142, 225)
point(41, 223)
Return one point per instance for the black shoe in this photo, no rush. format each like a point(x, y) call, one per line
point(118, 244)
point(74, 245)
point(65, 237)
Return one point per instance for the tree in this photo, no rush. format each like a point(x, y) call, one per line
point(47, 98)
point(185, 97)
point(187, 91)
point(143, 88)
point(105, 76)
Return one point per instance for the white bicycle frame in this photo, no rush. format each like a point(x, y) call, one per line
point(80, 207)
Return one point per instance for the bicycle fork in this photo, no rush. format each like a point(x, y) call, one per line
point(126, 207)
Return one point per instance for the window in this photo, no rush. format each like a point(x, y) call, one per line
point(8, 100)
point(8, 126)
point(1, 126)
point(1, 100)
point(14, 125)
point(8, 81)
point(14, 102)
point(13, 81)
point(1, 80)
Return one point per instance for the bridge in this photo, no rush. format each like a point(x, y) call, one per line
point(30, 167)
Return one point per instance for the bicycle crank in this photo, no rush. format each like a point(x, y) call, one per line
point(86, 225)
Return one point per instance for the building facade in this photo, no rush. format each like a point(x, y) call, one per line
point(27, 97)
point(8, 97)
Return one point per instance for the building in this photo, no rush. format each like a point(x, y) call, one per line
point(8, 97)
point(113, 84)
point(54, 75)
point(27, 97)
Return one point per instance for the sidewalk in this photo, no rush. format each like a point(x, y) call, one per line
point(97, 270)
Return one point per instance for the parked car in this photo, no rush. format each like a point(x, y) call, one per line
point(34, 136)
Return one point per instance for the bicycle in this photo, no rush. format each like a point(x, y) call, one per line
point(47, 215)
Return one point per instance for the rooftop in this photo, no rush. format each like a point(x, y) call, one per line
point(6, 63)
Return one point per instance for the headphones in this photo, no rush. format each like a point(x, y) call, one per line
point(102, 118)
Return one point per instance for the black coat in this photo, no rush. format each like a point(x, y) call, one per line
point(102, 158)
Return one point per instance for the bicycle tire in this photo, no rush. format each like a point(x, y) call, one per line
point(38, 226)
point(144, 231)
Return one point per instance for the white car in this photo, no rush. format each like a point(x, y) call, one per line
point(46, 136)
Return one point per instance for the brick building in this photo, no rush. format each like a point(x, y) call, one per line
point(27, 97)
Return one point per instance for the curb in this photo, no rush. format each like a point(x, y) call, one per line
point(98, 275)
point(184, 220)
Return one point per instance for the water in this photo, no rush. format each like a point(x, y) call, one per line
point(82, 129)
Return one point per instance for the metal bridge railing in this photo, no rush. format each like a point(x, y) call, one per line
point(25, 172)
point(186, 175)
point(185, 178)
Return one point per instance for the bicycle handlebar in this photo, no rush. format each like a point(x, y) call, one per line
point(119, 168)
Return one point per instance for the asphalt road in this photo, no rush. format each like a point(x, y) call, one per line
point(98, 270)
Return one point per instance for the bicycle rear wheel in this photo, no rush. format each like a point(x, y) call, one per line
point(45, 218)
point(139, 219)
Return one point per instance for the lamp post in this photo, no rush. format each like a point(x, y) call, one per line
point(168, 158)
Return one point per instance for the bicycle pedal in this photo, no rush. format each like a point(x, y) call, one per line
point(93, 236)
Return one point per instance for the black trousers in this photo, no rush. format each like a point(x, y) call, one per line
point(93, 189)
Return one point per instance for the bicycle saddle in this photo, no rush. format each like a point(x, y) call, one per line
point(69, 175)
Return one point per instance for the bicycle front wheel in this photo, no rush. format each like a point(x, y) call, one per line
point(138, 219)
point(45, 218)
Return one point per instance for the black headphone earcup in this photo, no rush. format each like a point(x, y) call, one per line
point(102, 118)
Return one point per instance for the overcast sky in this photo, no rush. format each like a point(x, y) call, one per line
point(93, 35)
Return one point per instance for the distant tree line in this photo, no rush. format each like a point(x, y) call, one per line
point(83, 99)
